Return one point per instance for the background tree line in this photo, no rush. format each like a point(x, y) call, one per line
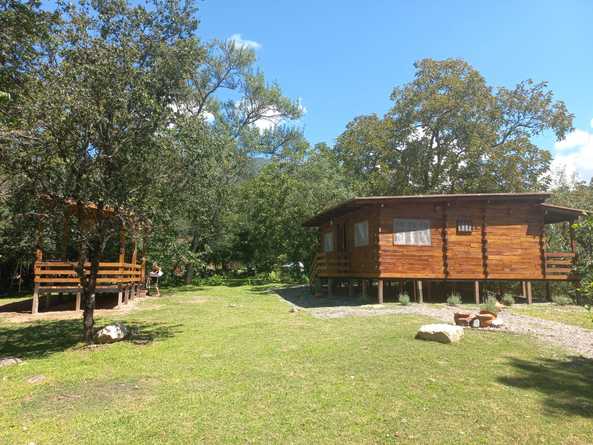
point(123, 105)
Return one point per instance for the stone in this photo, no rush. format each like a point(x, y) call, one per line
point(496, 323)
point(112, 333)
point(440, 332)
point(36, 379)
point(293, 309)
point(8, 361)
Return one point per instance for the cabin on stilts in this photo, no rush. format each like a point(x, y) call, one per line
point(57, 274)
point(431, 240)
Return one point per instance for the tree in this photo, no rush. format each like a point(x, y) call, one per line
point(95, 115)
point(275, 203)
point(448, 131)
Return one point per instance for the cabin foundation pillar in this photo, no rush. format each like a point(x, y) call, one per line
point(414, 290)
point(477, 291)
point(529, 293)
point(120, 296)
point(380, 292)
point(523, 289)
point(350, 288)
point(420, 294)
point(35, 308)
point(77, 303)
point(330, 286)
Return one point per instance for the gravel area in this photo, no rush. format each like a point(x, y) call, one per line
point(573, 338)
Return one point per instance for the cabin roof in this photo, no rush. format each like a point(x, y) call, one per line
point(553, 213)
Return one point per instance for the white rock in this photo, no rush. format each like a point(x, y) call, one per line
point(7, 361)
point(443, 333)
point(111, 333)
point(496, 323)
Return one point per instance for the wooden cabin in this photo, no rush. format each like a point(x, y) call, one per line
point(57, 275)
point(427, 238)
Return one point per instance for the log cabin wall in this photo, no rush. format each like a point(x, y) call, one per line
point(504, 242)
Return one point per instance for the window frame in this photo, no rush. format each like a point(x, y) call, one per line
point(427, 227)
point(361, 243)
point(328, 235)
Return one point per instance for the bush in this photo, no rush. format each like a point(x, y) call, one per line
point(508, 299)
point(454, 299)
point(404, 299)
point(490, 305)
point(562, 300)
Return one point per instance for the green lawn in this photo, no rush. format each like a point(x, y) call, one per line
point(575, 315)
point(234, 365)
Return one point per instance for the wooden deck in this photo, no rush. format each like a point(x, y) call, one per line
point(61, 277)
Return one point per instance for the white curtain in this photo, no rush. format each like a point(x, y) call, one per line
point(361, 234)
point(412, 232)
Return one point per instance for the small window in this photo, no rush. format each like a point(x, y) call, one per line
point(328, 242)
point(411, 232)
point(361, 234)
point(464, 226)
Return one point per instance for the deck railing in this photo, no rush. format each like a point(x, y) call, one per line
point(331, 262)
point(63, 275)
point(559, 265)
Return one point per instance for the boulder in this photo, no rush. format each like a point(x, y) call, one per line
point(443, 333)
point(7, 361)
point(111, 333)
point(496, 323)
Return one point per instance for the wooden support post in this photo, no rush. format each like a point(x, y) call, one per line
point(35, 308)
point(120, 296)
point(77, 305)
point(351, 288)
point(330, 285)
point(380, 291)
point(420, 294)
point(548, 292)
point(364, 285)
point(477, 291)
point(414, 290)
point(523, 289)
point(529, 294)
point(126, 294)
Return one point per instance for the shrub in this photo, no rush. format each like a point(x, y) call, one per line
point(508, 299)
point(454, 299)
point(562, 300)
point(490, 305)
point(404, 299)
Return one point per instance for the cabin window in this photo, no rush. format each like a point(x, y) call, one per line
point(411, 232)
point(361, 234)
point(328, 242)
point(464, 225)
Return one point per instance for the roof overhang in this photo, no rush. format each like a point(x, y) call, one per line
point(358, 203)
point(556, 214)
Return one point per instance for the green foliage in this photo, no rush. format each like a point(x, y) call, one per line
point(448, 131)
point(508, 299)
point(490, 305)
point(454, 299)
point(562, 300)
point(584, 237)
point(403, 299)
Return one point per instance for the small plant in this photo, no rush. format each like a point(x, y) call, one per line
point(454, 299)
point(490, 305)
point(561, 300)
point(508, 299)
point(404, 299)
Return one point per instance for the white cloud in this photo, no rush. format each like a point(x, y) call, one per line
point(243, 43)
point(574, 154)
point(269, 120)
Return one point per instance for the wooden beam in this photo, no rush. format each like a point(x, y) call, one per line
point(477, 291)
point(414, 291)
point(484, 240)
point(380, 291)
point(445, 243)
point(35, 308)
point(77, 304)
point(420, 294)
point(120, 296)
point(529, 293)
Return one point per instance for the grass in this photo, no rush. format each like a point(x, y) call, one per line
point(574, 315)
point(234, 365)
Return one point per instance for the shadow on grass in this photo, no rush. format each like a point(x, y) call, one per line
point(301, 296)
point(567, 384)
point(47, 337)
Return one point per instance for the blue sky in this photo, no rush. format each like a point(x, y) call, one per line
point(343, 58)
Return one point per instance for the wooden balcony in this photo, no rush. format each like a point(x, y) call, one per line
point(559, 265)
point(61, 277)
point(332, 263)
